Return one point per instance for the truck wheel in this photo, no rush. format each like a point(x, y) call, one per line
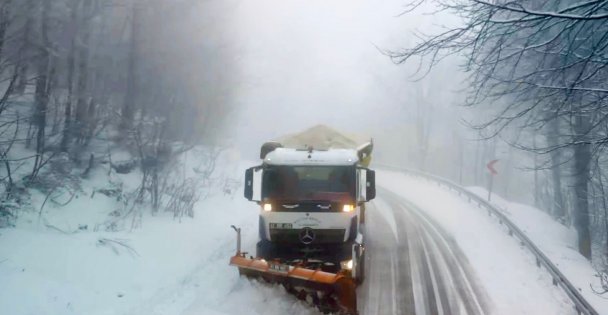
point(361, 271)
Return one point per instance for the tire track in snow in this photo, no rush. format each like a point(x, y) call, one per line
point(387, 286)
point(417, 270)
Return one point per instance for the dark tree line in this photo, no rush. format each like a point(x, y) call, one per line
point(538, 73)
point(77, 76)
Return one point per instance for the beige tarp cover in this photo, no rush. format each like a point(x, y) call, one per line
point(322, 137)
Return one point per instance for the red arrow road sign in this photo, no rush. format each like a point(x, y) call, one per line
point(491, 167)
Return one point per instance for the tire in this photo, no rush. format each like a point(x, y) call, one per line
point(360, 269)
point(362, 278)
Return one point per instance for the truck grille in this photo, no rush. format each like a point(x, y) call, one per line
point(322, 236)
point(308, 207)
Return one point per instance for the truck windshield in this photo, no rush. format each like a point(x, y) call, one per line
point(319, 183)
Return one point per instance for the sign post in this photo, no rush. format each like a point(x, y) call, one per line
point(493, 173)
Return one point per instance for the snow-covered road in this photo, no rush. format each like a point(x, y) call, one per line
point(506, 272)
point(416, 268)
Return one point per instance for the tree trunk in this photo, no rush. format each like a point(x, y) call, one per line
point(558, 210)
point(23, 60)
point(476, 166)
point(66, 138)
point(99, 91)
point(604, 207)
point(536, 186)
point(461, 151)
point(4, 22)
point(128, 109)
point(83, 71)
point(42, 88)
point(582, 159)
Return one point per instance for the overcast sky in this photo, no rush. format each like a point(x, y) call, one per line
point(309, 62)
point(287, 65)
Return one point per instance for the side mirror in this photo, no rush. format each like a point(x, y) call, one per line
point(370, 185)
point(249, 184)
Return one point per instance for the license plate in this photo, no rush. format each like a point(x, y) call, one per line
point(280, 225)
point(280, 268)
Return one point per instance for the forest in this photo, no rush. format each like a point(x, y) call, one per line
point(80, 79)
point(538, 83)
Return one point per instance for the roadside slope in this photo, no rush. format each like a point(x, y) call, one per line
point(52, 264)
point(557, 242)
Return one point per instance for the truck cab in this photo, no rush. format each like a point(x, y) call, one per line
point(311, 205)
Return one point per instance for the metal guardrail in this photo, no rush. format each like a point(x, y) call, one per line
point(580, 304)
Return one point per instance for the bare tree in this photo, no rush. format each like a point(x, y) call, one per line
point(128, 109)
point(103, 77)
point(71, 65)
point(5, 16)
point(42, 87)
point(531, 64)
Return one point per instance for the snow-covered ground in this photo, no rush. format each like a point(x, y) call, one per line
point(556, 241)
point(64, 262)
point(508, 273)
point(51, 264)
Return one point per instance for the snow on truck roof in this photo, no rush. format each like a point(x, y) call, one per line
point(288, 156)
point(322, 137)
point(319, 145)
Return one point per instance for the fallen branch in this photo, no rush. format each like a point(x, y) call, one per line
point(52, 227)
point(44, 202)
point(114, 244)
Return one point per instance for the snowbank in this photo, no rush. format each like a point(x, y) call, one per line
point(63, 263)
point(556, 241)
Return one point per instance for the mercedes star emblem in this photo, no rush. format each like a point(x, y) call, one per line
point(307, 235)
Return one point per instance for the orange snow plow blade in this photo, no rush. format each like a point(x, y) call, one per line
point(330, 292)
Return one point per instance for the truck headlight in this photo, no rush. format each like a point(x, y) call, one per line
point(267, 207)
point(348, 208)
point(346, 265)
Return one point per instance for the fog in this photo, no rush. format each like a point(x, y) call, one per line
point(284, 66)
point(237, 73)
point(303, 63)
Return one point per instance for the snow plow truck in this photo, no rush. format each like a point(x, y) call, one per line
point(311, 188)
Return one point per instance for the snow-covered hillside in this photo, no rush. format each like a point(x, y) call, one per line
point(64, 261)
point(556, 241)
